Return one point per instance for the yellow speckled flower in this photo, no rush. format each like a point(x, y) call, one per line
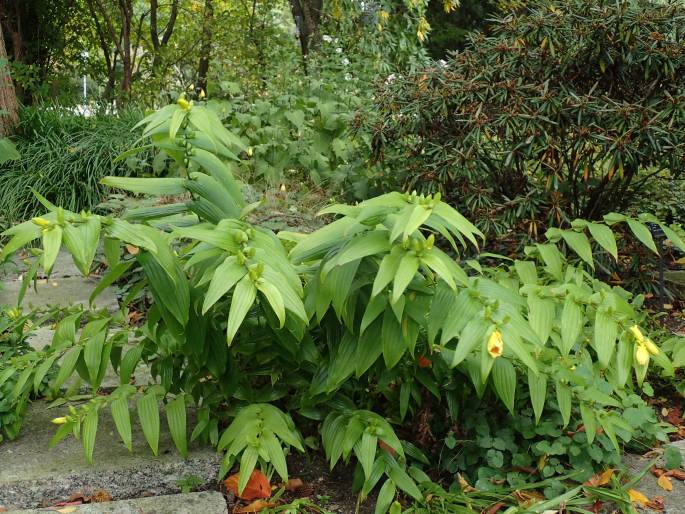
point(495, 344)
point(642, 355)
point(637, 334)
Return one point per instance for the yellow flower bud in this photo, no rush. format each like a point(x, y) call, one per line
point(183, 103)
point(495, 344)
point(642, 355)
point(41, 222)
point(651, 347)
point(637, 334)
point(59, 421)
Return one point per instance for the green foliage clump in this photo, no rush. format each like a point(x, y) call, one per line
point(563, 110)
point(350, 332)
point(63, 156)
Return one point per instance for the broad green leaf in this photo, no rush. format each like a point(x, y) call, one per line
point(41, 371)
point(541, 315)
point(243, 297)
point(176, 419)
point(248, 462)
point(474, 333)
point(365, 450)
point(386, 495)
point(642, 233)
point(177, 119)
point(148, 414)
point(275, 452)
point(387, 270)
point(552, 258)
point(129, 363)
point(604, 237)
point(580, 244)
point(67, 365)
point(419, 214)
point(392, 339)
point(526, 271)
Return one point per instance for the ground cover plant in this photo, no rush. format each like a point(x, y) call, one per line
point(350, 335)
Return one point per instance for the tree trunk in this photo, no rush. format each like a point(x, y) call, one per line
point(157, 43)
point(126, 8)
point(206, 50)
point(9, 109)
point(307, 15)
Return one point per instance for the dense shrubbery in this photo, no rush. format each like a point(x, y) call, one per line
point(351, 331)
point(63, 156)
point(566, 110)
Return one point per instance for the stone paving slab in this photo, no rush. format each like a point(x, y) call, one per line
point(58, 292)
point(208, 502)
point(674, 501)
point(31, 473)
point(64, 266)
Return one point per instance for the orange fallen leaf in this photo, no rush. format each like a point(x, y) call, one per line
point(657, 503)
point(678, 474)
point(258, 486)
point(255, 506)
point(464, 485)
point(637, 497)
point(600, 479)
point(527, 498)
point(497, 506)
point(133, 250)
point(665, 483)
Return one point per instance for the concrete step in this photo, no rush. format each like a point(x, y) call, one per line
point(208, 502)
point(31, 473)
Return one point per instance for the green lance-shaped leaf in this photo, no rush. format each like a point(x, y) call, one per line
point(504, 379)
point(275, 452)
point(227, 274)
point(385, 497)
point(176, 419)
point(67, 366)
point(148, 414)
point(243, 297)
point(88, 431)
point(541, 315)
point(537, 385)
point(564, 401)
point(408, 266)
point(606, 330)
point(52, 240)
point(248, 461)
point(589, 421)
point(122, 420)
point(387, 269)
point(275, 299)
point(149, 186)
point(572, 321)
point(552, 258)
point(526, 271)
point(643, 234)
point(365, 450)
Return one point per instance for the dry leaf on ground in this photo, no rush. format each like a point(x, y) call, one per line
point(665, 483)
point(600, 479)
point(255, 506)
point(258, 486)
point(637, 497)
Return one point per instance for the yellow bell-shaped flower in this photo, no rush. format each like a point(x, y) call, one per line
point(495, 344)
point(637, 334)
point(642, 355)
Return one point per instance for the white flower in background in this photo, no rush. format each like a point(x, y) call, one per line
point(327, 38)
point(338, 50)
point(348, 76)
point(390, 78)
point(442, 63)
point(345, 61)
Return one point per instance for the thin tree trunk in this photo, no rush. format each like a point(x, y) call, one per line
point(9, 108)
point(126, 60)
point(307, 16)
point(206, 50)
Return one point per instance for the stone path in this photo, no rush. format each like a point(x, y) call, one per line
point(31, 473)
point(208, 502)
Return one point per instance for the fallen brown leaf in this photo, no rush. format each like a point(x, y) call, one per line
point(678, 474)
point(600, 479)
point(526, 498)
point(464, 485)
point(133, 250)
point(656, 503)
point(637, 497)
point(293, 484)
point(255, 506)
point(657, 472)
point(665, 483)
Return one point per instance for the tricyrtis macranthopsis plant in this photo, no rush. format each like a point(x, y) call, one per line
point(349, 326)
